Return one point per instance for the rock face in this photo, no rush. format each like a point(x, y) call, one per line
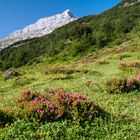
point(42, 27)
point(128, 3)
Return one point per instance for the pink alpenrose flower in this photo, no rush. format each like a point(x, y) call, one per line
point(138, 77)
point(26, 92)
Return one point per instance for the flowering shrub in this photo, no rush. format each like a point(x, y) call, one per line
point(64, 70)
point(123, 85)
point(56, 105)
point(126, 65)
point(138, 77)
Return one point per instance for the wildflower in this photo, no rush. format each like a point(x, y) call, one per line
point(83, 97)
point(26, 92)
point(43, 99)
point(138, 77)
point(41, 111)
point(51, 105)
point(25, 97)
point(129, 81)
point(52, 110)
point(36, 99)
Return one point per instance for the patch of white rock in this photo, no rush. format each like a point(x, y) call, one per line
point(132, 2)
point(42, 27)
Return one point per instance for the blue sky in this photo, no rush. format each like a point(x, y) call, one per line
point(16, 14)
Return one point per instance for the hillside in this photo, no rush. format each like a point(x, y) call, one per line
point(87, 34)
point(80, 82)
point(87, 76)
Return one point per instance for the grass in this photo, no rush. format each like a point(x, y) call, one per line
point(124, 109)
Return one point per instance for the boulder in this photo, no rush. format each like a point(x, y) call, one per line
point(10, 73)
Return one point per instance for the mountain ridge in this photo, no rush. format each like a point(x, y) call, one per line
point(40, 28)
point(127, 3)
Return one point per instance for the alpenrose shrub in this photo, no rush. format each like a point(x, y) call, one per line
point(55, 105)
point(126, 65)
point(125, 85)
point(64, 70)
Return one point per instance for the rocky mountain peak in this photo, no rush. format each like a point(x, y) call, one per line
point(127, 3)
point(40, 28)
point(68, 13)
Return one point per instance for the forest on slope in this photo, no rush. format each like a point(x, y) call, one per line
point(76, 39)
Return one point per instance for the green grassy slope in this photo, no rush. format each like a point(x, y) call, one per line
point(101, 66)
point(79, 57)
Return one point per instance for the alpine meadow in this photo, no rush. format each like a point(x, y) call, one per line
point(79, 80)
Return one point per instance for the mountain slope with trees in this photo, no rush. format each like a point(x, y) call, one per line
point(87, 34)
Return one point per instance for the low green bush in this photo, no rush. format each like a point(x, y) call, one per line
point(5, 118)
point(123, 85)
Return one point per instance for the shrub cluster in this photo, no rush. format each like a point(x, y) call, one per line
point(64, 70)
point(56, 105)
point(126, 65)
point(125, 85)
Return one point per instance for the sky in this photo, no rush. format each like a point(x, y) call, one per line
point(16, 14)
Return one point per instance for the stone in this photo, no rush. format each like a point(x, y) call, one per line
point(9, 73)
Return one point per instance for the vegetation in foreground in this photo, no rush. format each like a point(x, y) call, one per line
point(118, 114)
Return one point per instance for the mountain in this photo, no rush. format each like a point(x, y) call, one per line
point(78, 38)
point(42, 27)
point(82, 81)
